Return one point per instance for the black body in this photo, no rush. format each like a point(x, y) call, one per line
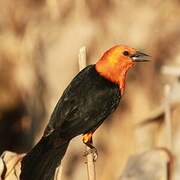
point(87, 101)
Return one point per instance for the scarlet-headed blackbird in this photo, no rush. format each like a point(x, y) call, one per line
point(87, 101)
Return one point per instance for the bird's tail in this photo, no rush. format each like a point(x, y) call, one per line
point(41, 162)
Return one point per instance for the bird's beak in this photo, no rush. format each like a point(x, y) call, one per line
point(140, 57)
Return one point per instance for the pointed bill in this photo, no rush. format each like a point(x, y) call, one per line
point(140, 57)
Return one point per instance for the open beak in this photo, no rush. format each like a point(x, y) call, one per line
point(140, 57)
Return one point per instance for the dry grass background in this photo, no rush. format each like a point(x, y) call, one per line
point(39, 48)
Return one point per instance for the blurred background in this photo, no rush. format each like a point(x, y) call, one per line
point(39, 45)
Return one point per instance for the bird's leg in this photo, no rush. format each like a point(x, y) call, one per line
point(87, 139)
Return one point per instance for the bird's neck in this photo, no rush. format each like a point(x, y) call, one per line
point(115, 73)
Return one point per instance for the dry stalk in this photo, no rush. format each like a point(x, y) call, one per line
point(168, 128)
point(58, 173)
point(174, 72)
point(168, 116)
point(90, 157)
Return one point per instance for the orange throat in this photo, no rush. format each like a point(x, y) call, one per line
point(116, 73)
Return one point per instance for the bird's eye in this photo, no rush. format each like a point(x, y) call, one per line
point(126, 53)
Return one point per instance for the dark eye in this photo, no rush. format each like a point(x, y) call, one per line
point(126, 53)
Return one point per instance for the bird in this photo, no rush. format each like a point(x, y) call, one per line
point(92, 95)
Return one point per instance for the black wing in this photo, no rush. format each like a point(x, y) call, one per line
point(84, 105)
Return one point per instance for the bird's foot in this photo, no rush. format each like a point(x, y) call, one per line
point(87, 139)
point(92, 151)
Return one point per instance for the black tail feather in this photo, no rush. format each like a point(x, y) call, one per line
point(41, 162)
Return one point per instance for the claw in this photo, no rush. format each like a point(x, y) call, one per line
point(87, 139)
point(92, 151)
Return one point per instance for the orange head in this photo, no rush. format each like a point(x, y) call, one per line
point(115, 63)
